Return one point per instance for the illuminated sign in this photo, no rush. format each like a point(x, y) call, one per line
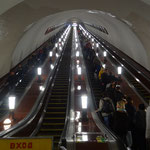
point(35, 143)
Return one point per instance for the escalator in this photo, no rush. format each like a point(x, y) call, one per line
point(138, 87)
point(95, 84)
point(54, 117)
point(17, 92)
point(141, 90)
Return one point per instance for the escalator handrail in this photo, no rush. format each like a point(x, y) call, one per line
point(63, 136)
point(127, 57)
point(124, 62)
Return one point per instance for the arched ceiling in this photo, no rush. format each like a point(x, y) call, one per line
point(29, 19)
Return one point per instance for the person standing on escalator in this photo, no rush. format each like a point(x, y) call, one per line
point(106, 108)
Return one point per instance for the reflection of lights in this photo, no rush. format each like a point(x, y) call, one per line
point(137, 80)
point(60, 48)
point(77, 54)
point(20, 80)
point(41, 88)
point(97, 45)
point(119, 70)
point(59, 40)
point(78, 115)
point(56, 45)
point(39, 70)
point(12, 100)
point(77, 45)
point(7, 124)
point(79, 127)
point(84, 101)
point(105, 53)
point(50, 54)
point(104, 65)
point(57, 55)
point(52, 66)
point(92, 40)
point(79, 87)
point(62, 43)
point(84, 137)
point(79, 70)
point(122, 65)
point(77, 66)
point(96, 54)
point(78, 61)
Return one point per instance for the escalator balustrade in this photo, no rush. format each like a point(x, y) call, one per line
point(54, 118)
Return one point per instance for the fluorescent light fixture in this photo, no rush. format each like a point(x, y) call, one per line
point(119, 70)
point(79, 87)
point(105, 53)
point(7, 121)
point(52, 66)
point(77, 54)
point(74, 24)
point(39, 70)
point(79, 70)
point(7, 124)
point(50, 54)
point(12, 101)
point(84, 101)
point(41, 88)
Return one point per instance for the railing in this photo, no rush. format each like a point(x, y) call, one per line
point(62, 142)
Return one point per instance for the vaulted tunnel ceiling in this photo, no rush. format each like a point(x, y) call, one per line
point(23, 24)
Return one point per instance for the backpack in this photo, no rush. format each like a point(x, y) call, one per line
point(107, 107)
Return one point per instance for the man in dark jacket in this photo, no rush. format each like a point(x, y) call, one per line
point(140, 128)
